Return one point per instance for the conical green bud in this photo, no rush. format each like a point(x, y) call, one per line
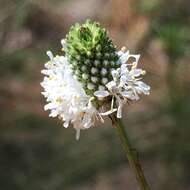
point(91, 54)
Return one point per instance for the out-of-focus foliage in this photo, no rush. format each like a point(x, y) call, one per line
point(38, 153)
point(175, 38)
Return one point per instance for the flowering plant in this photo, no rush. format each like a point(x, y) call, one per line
point(90, 80)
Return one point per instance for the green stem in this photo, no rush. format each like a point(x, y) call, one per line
point(130, 153)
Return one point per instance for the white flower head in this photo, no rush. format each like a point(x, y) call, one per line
point(89, 76)
point(65, 95)
point(126, 84)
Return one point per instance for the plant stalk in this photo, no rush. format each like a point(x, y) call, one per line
point(131, 153)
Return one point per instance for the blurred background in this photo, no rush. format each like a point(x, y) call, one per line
point(38, 153)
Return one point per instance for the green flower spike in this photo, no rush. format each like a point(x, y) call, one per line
point(91, 55)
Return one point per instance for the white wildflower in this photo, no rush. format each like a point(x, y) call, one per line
point(90, 75)
point(65, 96)
point(126, 84)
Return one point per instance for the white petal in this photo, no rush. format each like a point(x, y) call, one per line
point(129, 95)
point(50, 55)
point(143, 85)
point(109, 112)
point(111, 85)
point(115, 74)
point(119, 112)
point(87, 121)
point(120, 105)
point(63, 43)
point(124, 57)
point(53, 113)
point(137, 72)
point(126, 94)
point(77, 133)
point(119, 53)
point(46, 72)
point(123, 80)
point(49, 106)
point(124, 69)
point(101, 93)
point(66, 124)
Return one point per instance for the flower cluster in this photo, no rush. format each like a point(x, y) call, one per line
point(126, 84)
point(79, 84)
